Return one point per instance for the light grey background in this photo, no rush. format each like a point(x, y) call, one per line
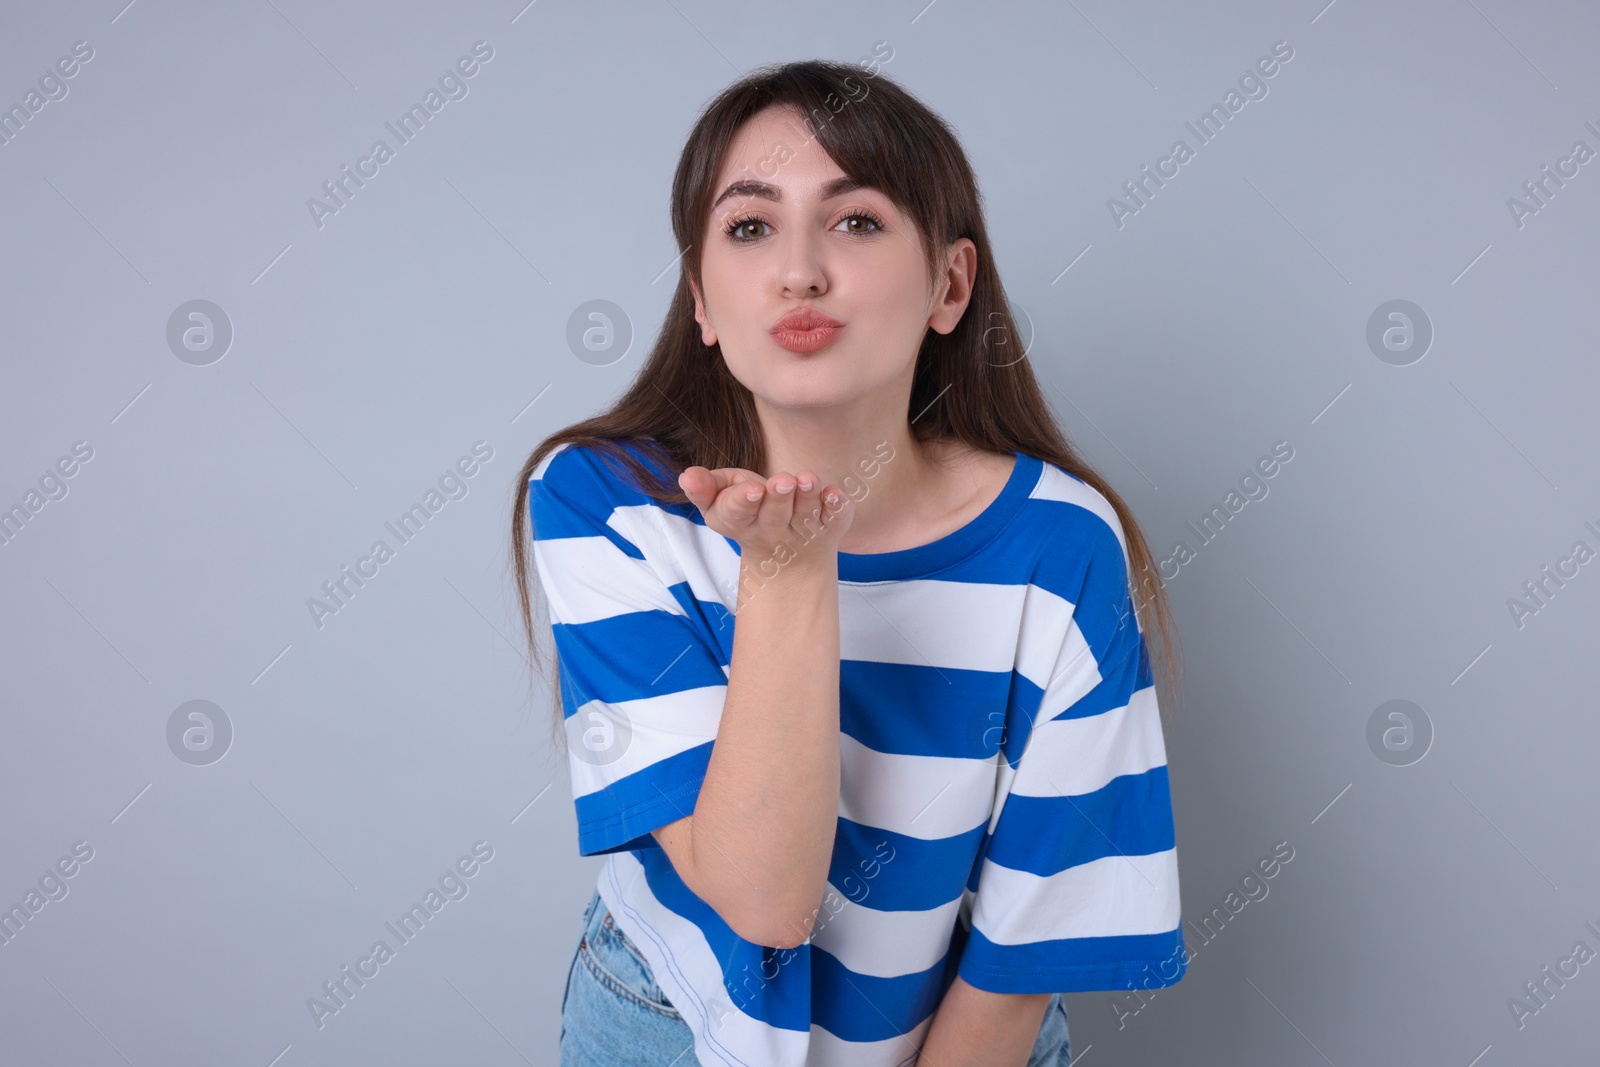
point(370, 353)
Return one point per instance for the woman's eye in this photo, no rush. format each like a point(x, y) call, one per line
point(740, 230)
point(749, 229)
point(865, 220)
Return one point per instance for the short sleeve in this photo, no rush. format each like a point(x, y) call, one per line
point(643, 673)
point(1077, 884)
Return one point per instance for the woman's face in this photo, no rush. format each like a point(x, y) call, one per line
point(785, 232)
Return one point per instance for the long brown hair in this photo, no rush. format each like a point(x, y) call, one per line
point(688, 409)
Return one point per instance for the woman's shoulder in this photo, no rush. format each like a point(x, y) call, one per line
point(599, 462)
point(594, 477)
point(1082, 508)
point(1068, 524)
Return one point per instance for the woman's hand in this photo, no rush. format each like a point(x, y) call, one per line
point(762, 514)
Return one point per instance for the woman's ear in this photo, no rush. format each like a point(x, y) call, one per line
point(955, 288)
point(708, 333)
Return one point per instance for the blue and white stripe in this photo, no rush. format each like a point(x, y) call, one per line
point(1004, 811)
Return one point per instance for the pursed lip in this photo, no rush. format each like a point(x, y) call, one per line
point(802, 319)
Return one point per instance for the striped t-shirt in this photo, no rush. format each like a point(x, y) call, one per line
point(1004, 810)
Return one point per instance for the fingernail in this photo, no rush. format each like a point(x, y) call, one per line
point(752, 494)
point(805, 484)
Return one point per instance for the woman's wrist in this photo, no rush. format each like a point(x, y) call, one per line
point(812, 569)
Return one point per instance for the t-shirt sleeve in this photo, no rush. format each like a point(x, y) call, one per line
point(1077, 886)
point(642, 680)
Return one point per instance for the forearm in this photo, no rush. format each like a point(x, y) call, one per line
point(767, 812)
point(973, 1027)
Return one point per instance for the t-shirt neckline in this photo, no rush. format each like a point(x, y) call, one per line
point(952, 547)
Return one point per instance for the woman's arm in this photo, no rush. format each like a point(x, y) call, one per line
point(760, 840)
point(973, 1027)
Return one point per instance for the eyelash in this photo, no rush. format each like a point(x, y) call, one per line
point(732, 228)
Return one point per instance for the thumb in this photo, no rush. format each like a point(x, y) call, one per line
point(689, 482)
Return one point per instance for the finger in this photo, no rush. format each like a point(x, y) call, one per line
point(692, 480)
point(835, 503)
point(723, 477)
point(742, 502)
point(807, 501)
point(703, 485)
point(779, 506)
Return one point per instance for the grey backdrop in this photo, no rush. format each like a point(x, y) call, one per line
point(218, 484)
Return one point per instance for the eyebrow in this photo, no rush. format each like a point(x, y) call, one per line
point(837, 187)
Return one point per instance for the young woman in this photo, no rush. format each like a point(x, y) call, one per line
point(853, 682)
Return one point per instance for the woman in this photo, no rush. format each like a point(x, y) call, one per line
point(919, 790)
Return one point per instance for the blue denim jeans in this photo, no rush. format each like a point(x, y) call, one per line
point(614, 1015)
